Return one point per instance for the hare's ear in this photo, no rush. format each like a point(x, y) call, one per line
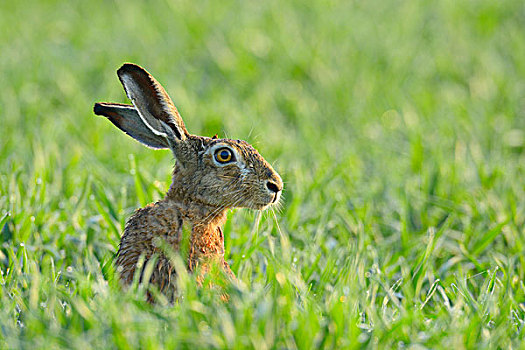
point(127, 119)
point(152, 103)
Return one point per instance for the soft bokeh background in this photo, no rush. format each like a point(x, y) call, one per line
point(398, 127)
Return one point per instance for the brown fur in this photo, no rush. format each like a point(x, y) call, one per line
point(202, 189)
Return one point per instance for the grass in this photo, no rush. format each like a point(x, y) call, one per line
point(398, 127)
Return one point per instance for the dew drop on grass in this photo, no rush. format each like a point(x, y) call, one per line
point(362, 338)
point(331, 243)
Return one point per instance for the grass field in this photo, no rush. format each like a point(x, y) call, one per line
point(398, 128)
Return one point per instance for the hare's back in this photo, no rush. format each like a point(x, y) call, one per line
point(149, 231)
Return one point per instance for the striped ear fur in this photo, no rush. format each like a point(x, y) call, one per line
point(127, 119)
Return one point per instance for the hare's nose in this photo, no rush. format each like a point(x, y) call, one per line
point(273, 187)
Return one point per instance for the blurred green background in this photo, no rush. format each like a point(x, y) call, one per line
point(397, 126)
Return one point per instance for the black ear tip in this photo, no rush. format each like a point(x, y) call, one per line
point(129, 68)
point(102, 109)
point(98, 108)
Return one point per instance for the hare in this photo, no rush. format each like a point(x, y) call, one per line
point(210, 176)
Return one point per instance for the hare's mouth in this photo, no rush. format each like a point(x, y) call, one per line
point(268, 202)
point(276, 198)
point(262, 206)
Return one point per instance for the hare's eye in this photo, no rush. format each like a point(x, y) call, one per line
point(224, 155)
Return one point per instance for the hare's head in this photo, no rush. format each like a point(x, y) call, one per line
point(215, 172)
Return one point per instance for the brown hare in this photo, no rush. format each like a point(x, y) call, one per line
point(211, 175)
